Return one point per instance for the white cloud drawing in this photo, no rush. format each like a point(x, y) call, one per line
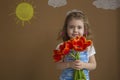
point(107, 4)
point(57, 3)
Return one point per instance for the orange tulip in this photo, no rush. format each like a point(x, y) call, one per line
point(77, 44)
point(57, 55)
point(80, 43)
point(63, 50)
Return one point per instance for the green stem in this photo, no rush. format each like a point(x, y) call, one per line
point(75, 74)
point(72, 55)
point(78, 74)
point(83, 75)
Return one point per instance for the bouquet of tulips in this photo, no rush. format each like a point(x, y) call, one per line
point(77, 44)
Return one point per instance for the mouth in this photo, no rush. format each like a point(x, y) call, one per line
point(74, 35)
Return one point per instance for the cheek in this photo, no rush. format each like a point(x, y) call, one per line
point(81, 32)
point(69, 31)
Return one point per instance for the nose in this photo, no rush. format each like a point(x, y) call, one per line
point(75, 29)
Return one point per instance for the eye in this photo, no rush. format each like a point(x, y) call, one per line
point(71, 27)
point(79, 27)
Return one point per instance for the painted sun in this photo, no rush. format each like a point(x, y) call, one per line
point(24, 12)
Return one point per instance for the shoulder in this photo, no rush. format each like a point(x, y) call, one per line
point(91, 47)
point(57, 47)
point(91, 50)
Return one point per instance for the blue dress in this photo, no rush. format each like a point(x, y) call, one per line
point(67, 74)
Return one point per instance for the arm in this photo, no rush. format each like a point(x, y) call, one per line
point(91, 65)
point(62, 65)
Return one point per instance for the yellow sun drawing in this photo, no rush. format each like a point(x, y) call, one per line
point(24, 12)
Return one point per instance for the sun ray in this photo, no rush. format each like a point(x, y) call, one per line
point(11, 14)
point(17, 21)
point(22, 23)
point(29, 22)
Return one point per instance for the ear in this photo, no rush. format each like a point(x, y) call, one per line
point(85, 34)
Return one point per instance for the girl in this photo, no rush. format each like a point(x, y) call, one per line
point(76, 24)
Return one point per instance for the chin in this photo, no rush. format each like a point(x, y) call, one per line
point(73, 37)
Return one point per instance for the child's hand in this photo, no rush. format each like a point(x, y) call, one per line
point(77, 64)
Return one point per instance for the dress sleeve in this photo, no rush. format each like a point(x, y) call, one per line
point(91, 50)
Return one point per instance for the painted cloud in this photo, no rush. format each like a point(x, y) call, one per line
point(57, 3)
point(107, 4)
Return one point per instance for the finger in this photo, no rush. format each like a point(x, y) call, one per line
point(77, 60)
point(77, 64)
point(77, 68)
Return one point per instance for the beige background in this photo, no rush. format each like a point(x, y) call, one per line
point(26, 52)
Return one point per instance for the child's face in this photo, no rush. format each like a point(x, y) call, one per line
point(75, 28)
